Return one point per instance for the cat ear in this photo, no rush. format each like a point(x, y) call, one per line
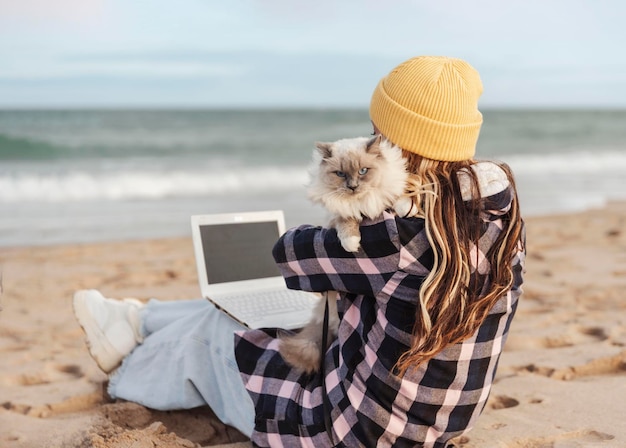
point(373, 146)
point(324, 149)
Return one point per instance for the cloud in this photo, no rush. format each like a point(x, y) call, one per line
point(75, 11)
point(199, 79)
point(250, 51)
point(128, 69)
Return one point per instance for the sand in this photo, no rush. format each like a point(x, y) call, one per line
point(561, 380)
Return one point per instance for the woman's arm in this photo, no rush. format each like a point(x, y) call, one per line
point(312, 258)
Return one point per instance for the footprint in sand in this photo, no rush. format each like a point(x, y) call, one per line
point(573, 335)
point(502, 402)
point(576, 336)
point(595, 333)
point(605, 365)
point(584, 438)
point(71, 369)
point(73, 404)
point(595, 436)
point(49, 374)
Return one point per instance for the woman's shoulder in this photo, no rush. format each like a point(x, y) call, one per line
point(390, 220)
point(490, 175)
point(492, 187)
point(401, 231)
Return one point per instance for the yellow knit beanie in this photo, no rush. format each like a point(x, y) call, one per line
point(429, 105)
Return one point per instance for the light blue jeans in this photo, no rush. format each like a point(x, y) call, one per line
point(186, 360)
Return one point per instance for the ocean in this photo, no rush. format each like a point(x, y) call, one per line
point(105, 175)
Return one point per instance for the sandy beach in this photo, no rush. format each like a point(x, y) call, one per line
point(561, 380)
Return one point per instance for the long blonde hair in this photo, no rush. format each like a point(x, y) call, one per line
point(454, 299)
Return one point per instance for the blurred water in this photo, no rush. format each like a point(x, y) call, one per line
point(107, 175)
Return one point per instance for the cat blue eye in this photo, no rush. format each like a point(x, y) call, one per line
point(362, 171)
point(340, 173)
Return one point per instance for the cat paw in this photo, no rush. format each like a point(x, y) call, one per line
point(301, 354)
point(351, 243)
point(404, 207)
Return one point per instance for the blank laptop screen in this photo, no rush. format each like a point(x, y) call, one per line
point(240, 251)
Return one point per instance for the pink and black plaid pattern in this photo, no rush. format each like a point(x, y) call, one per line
point(370, 405)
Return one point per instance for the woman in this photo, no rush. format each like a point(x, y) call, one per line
point(425, 305)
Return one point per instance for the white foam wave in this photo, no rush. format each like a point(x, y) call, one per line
point(599, 173)
point(555, 183)
point(129, 185)
point(587, 162)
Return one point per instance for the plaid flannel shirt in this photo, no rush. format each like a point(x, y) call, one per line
point(370, 406)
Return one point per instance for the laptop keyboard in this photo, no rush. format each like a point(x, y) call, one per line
point(268, 302)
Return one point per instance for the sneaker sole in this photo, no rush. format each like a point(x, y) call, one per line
point(103, 353)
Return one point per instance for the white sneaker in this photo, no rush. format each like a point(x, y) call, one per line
point(112, 327)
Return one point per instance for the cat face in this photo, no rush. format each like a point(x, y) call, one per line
point(357, 176)
point(351, 167)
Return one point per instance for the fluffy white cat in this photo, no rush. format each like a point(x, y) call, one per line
point(356, 178)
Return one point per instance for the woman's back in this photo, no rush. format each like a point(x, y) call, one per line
point(379, 288)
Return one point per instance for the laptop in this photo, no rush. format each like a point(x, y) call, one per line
point(237, 272)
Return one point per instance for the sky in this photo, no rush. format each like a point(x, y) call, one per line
point(293, 53)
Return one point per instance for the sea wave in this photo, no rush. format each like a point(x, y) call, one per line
point(579, 162)
point(131, 185)
point(20, 148)
point(119, 182)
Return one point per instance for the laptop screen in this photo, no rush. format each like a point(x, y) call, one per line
point(239, 251)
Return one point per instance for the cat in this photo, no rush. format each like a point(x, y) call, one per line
point(352, 178)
